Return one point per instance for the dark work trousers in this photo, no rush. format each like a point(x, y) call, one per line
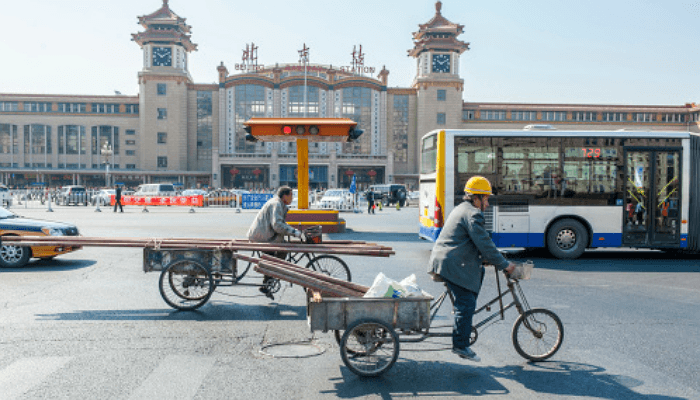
point(464, 306)
point(370, 207)
point(282, 255)
point(118, 202)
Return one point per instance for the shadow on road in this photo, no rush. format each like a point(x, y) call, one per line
point(208, 312)
point(613, 261)
point(416, 379)
point(52, 265)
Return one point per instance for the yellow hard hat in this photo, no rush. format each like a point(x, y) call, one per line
point(478, 185)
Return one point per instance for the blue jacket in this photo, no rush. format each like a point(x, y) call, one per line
point(462, 246)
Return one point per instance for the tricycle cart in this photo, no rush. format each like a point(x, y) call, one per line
point(374, 327)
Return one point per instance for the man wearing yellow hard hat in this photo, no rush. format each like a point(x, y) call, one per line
point(458, 256)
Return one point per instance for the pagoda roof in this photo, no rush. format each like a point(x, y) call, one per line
point(438, 33)
point(164, 26)
point(166, 16)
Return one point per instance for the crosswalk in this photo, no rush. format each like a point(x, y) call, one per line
point(24, 374)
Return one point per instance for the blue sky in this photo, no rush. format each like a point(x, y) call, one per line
point(537, 51)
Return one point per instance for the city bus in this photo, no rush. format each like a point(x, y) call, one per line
point(567, 191)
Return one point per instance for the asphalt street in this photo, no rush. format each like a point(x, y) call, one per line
point(92, 324)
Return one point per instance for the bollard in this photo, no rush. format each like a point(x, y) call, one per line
point(144, 209)
point(49, 209)
point(191, 209)
point(97, 202)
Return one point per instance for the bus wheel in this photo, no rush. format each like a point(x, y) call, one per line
point(567, 239)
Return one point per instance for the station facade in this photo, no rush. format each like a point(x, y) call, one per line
point(179, 131)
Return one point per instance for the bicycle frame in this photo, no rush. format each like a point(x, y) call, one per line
point(519, 301)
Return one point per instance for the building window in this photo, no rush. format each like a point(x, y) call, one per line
point(296, 101)
point(130, 166)
point(9, 106)
point(162, 113)
point(131, 152)
point(162, 162)
point(35, 106)
point(441, 119)
point(644, 117)
point(442, 95)
point(614, 117)
point(8, 139)
point(205, 128)
point(674, 118)
point(37, 139)
point(162, 137)
point(468, 115)
point(400, 128)
point(72, 108)
point(162, 89)
point(523, 115)
point(553, 116)
point(357, 105)
point(130, 142)
point(493, 115)
point(105, 108)
point(131, 108)
point(71, 139)
point(249, 102)
point(105, 135)
point(130, 132)
point(584, 116)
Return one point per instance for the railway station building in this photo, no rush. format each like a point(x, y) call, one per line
point(179, 131)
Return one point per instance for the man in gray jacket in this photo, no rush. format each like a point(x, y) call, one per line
point(270, 226)
point(457, 257)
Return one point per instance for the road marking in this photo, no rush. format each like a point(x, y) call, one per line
point(177, 377)
point(22, 375)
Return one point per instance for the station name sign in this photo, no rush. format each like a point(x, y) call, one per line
point(300, 68)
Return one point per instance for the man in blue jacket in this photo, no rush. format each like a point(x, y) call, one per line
point(458, 255)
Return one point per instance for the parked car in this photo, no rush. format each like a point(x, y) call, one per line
point(390, 194)
point(156, 190)
point(104, 196)
point(18, 256)
point(337, 199)
point(194, 192)
point(220, 198)
point(5, 196)
point(73, 194)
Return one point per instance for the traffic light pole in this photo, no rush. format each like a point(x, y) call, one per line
point(303, 174)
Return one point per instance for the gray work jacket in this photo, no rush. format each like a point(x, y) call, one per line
point(462, 246)
point(269, 225)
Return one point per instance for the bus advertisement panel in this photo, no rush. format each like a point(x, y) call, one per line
point(563, 190)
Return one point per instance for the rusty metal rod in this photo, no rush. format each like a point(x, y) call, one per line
point(315, 274)
point(303, 280)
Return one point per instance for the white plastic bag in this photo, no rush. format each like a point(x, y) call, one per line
point(412, 289)
point(385, 287)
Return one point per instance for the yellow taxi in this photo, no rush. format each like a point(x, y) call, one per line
point(17, 256)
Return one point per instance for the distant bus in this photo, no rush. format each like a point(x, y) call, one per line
point(568, 190)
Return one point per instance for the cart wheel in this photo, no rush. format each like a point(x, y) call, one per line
point(186, 285)
point(331, 266)
point(339, 335)
point(474, 336)
point(369, 347)
point(537, 334)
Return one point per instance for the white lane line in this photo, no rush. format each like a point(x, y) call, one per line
point(24, 374)
point(177, 377)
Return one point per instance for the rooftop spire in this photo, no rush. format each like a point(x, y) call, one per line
point(438, 6)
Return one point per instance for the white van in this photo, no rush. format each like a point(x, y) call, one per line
point(155, 190)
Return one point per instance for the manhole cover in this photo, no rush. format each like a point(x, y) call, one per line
point(292, 350)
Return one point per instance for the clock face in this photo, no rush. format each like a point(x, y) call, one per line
point(162, 57)
point(441, 63)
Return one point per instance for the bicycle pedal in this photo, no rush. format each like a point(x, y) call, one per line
point(488, 308)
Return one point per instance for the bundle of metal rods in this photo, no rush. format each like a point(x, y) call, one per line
point(346, 247)
point(313, 280)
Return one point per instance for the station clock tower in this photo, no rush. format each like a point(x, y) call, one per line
point(163, 84)
point(439, 86)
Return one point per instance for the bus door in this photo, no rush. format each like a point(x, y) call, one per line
point(652, 211)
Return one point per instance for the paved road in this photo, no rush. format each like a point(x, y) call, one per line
point(92, 325)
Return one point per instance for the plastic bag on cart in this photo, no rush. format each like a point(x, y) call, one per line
point(412, 290)
point(384, 286)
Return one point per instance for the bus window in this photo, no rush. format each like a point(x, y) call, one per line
point(475, 155)
point(530, 166)
point(428, 159)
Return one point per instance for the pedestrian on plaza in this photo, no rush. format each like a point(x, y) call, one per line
point(370, 201)
point(457, 259)
point(117, 198)
point(270, 226)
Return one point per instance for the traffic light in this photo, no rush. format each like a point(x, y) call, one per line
point(291, 129)
point(249, 135)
